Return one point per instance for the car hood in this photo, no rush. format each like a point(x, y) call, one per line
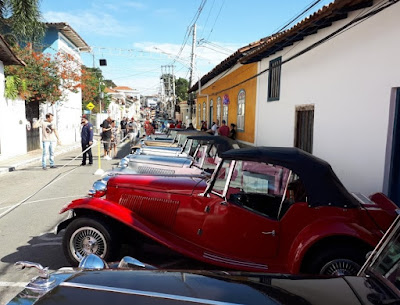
point(185, 185)
point(159, 160)
point(175, 287)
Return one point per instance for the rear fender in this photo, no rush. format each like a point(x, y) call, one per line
point(321, 230)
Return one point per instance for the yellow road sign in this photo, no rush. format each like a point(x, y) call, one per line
point(90, 106)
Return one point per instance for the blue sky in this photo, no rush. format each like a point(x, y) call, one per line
point(138, 37)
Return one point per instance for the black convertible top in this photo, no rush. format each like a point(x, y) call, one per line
point(221, 143)
point(322, 185)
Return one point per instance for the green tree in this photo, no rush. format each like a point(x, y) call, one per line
point(92, 85)
point(181, 89)
point(22, 20)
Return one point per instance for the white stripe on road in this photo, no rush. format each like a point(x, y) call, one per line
point(47, 244)
point(13, 284)
point(56, 198)
point(47, 199)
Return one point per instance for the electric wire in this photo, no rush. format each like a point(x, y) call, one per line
point(215, 21)
point(298, 16)
point(339, 31)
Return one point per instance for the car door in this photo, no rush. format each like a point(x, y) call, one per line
point(233, 229)
point(237, 232)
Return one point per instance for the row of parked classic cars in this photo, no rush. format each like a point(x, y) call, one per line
point(249, 211)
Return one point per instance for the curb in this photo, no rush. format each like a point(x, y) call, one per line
point(7, 169)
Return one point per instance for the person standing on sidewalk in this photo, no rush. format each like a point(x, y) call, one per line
point(124, 125)
point(223, 129)
point(86, 140)
point(106, 137)
point(49, 137)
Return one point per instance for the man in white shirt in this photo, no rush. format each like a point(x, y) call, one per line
point(215, 127)
point(49, 137)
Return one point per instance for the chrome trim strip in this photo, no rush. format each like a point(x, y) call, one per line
point(234, 262)
point(146, 294)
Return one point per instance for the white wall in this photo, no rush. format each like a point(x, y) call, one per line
point(349, 79)
point(12, 124)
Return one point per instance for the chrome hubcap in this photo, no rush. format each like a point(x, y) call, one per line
point(87, 240)
point(340, 267)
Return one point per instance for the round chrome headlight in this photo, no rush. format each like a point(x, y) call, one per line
point(124, 162)
point(99, 188)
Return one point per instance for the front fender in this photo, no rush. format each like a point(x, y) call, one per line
point(321, 230)
point(108, 208)
point(135, 222)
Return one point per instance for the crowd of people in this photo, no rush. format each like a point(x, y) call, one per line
point(112, 134)
point(222, 130)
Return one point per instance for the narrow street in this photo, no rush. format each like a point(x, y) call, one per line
point(27, 226)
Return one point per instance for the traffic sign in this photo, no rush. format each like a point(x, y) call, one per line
point(90, 106)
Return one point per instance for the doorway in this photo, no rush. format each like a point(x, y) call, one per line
point(304, 132)
point(394, 176)
point(32, 134)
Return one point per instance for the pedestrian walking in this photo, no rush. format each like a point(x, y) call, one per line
point(86, 140)
point(149, 129)
point(49, 138)
point(223, 130)
point(124, 126)
point(132, 129)
point(114, 139)
point(106, 137)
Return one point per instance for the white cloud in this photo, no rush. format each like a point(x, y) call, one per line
point(206, 59)
point(86, 23)
point(133, 4)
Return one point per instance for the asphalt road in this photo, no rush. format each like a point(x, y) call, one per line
point(30, 201)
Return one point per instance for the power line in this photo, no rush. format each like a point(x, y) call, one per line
point(208, 16)
point(341, 30)
point(298, 16)
point(215, 21)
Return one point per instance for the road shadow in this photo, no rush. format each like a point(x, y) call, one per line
point(45, 249)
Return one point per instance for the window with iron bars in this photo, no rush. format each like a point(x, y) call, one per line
point(274, 79)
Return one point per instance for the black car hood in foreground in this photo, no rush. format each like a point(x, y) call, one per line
point(174, 287)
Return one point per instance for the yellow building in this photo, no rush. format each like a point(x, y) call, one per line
point(228, 92)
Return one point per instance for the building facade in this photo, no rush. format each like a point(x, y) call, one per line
point(332, 87)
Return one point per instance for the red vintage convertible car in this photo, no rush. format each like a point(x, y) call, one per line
point(264, 209)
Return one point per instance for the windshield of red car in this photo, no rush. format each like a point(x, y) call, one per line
point(388, 262)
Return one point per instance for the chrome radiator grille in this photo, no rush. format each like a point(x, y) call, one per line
point(156, 210)
point(154, 171)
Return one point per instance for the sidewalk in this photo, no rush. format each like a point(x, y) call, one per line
point(12, 163)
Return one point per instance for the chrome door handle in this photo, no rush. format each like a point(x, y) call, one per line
point(273, 233)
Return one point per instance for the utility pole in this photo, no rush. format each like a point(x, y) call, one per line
point(193, 57)
point(192, 67)
point(168, 83)
point(173, 93)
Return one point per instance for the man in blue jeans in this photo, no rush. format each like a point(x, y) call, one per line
point(49, 137)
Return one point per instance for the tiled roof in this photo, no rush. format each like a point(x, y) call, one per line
point(264, 47)
point(7, 56)
point(70, 33)
point(123, 88)
point(322, 18)
point(227, 63)
point(109, 90)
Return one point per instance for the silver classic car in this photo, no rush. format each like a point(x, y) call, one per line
point(133, 282)
point(202, 156)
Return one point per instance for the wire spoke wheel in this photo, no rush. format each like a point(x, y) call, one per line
point(340, 267)
point(87, 240)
